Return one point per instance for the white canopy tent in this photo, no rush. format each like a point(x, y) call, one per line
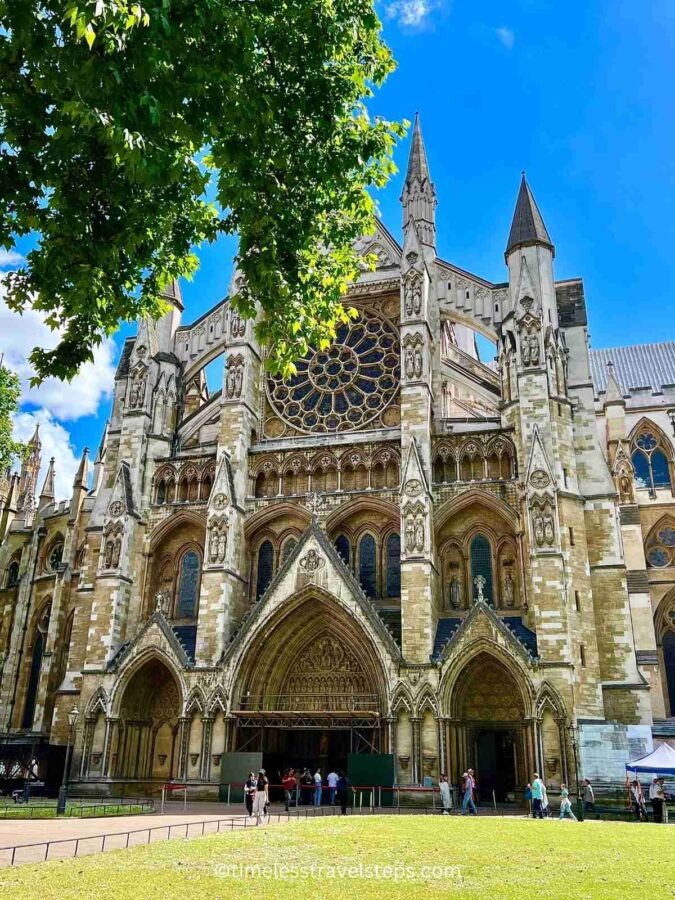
point(660, 761)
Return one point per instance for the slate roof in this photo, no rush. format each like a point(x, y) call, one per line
point(528, 225)
point(638, 366)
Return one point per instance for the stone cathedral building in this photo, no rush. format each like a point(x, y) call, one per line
point(402, 550)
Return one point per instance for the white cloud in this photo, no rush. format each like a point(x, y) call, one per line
point(55, 442)
point(411, 13)
point(66, 401)
point(506, 36)
point(10, 259)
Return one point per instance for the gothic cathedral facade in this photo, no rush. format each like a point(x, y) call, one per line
point(401, 550)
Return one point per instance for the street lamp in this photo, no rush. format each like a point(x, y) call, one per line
point(574, 738)
point(63, 790)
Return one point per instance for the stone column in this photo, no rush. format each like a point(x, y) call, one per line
point(207, 734)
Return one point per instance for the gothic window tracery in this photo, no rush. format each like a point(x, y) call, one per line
point(265, 567)
point(650, 454)
point(187, 594)
point(348, 385)
point(368, 565)
point(393, 570)
point(39, 640)
point(343, 547)
point(661, 545)
point(54, 556)
point(13, 572)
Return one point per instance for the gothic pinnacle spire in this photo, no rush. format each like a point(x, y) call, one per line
point(82, 473)
point(418, 167)
point(528, 225)
point(47, 492)
point(613, 392)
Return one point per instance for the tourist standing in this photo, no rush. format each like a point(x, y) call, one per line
point(332, 780)
point(468, 783)
point(638, 801)
point(544, 801)
point(306, 786)
point(343, 786)
point(589, 796)
point(537, 790)
point(446, 797)
point(565, 804)
point(656, 798)
point(317, 788)
point(249, 792)
point(261, 800)
point(288, 784)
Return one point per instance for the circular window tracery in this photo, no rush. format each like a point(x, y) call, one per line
point(346, 386)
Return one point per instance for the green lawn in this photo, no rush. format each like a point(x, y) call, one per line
point(496, 858)
point(73, 810)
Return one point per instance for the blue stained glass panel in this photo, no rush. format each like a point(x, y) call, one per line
point(265, 567)
point(660, 469)
point(343, 548)
point(641, 466)
point(394, 565)
point(188, 586)
point(481, 564)
point(367, 565)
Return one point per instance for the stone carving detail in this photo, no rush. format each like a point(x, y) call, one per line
point(543, 525)
point(237, 324)
point(508, 591)
point(112, 546)
point(137, 384)
point(412, 295)
point(326, 676)
point(455, 592)
point(539, 479)
point(479, 581)
point(413, 355)
point(530, 348)
point(220, 501)
point(415, 531)
point(413, 487)
point(163, 602)
point(116, 509)
point(218, 530)
point(234, 377)
point(312, 562)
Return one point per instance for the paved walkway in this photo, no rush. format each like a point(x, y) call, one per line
point(25, 841)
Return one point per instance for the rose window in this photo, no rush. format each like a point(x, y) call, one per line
point(661, 551)
point(346, 386)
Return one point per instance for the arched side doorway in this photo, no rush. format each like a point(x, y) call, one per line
point(145, 738)
point(311, 691)
point(490, 729)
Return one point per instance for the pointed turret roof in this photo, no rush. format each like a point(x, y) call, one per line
point(613, 392)
point(47, 492)
point(82, 474)
point(527, 226)
point(35, 440)
point(103, 446)
point(418, 167)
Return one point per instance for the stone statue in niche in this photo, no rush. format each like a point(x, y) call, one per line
point(234, 378)
point(530, 348)
point(218, 542)
point(419, 534)
point(162, 601)
point(413, 296)
point(625, 489)
point(539, 530)
point(544, 527)
point(419, 363)
point(410, 362)
point(410, 535)
point(137, 388)
point(480, 582)
point(508, 591)
point(549, 530)
point(237, 324)
point(455, 592)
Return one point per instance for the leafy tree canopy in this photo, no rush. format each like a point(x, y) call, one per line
point(10, 391)
point(116, 117)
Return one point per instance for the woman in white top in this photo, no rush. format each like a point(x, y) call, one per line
point(261, 798)
point(446, 797)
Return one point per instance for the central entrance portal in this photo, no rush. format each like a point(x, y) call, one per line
point(496, 761)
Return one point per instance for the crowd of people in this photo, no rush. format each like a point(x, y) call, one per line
point(302, 788)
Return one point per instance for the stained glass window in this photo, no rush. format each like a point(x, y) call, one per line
point(368, 565)
point(669, 666)
point(650, 462)
point(55, 556)
point(393, 565)
point(347, 385)
point(265, 567)
point(481, 564)
point(33, 681)
point(343, 548)
point(13, 573)
point(188, 586)
point(661, 545)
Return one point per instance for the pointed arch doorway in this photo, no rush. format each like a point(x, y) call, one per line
point(490, 730)
point(310, 693)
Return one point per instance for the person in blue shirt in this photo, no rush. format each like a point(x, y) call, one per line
point(537, 794)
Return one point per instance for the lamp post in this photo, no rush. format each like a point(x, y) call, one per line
point(63, 790)
point(574, 738)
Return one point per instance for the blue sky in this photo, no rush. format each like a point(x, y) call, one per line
point(578, 94)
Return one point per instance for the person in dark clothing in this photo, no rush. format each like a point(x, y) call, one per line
point(249, 792)
point(307, 786)
point(343, 787)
